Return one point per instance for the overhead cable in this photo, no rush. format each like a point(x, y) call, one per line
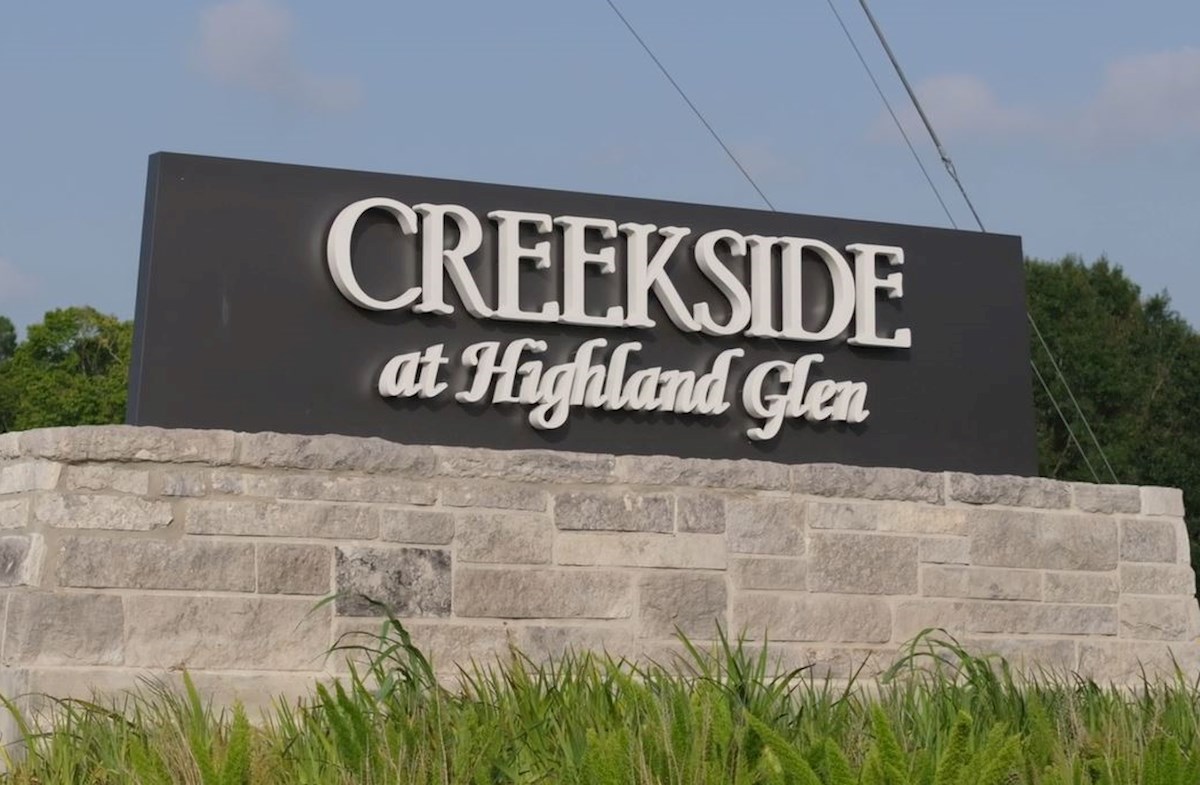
point(937, 143)
point(899, 126)
point(688, 101)
point(950, 169)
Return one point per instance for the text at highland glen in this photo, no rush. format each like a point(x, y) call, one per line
point(510, 374)
point(305, 300)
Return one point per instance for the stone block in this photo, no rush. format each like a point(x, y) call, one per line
point(765, 525)
point(981, 583)
point(447, 643)
point(615, 511)
point(1107, 498)
point(699, 551)
point(1158, 579)
point(1088, 588)
point(531, 593)
point(29, 476)
point(126, 443)
point(1009, 491)
point(1126, 662)
point(1149, 539)
point(944, 550)
point(96, 511)
point(886, 517)
point(543, 642)
point(914, 617)
point(1031, 656)
point(107, 477)
point(1037, 618)
point(408, 581)
point(524, 465)
point(836, 663)
point(10, 445)
point(1162, 501)
point(1051, 541)
point(812, 617)
point(292, 568)
point(247, 518)
point(183, 482)
point(856, 563)
point(757, 572)
point(259, 693)
point(990, 583)
point(700, 513)
point(14, 513)
point(857, 482)
point(493, 495)
point(417, 527)
point(1158, 618)
point(108, 563)
point(324, 487)
point(21, 559)
point(335, 453)
point(692, 603)
point(702, 472)
point(64, 629)
point(505, 538)
point(229, 633)
point(943, 580)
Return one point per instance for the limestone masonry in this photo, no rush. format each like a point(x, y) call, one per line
point(128, 551)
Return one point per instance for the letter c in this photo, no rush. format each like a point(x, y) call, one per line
point(338, 252)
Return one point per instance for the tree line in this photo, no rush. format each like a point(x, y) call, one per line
point(1132, 363)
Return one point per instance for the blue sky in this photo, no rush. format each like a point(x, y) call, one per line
point(1074, 123)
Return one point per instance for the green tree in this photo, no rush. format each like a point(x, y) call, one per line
point(8, 338)
point(71, 369)
point(1134, 366)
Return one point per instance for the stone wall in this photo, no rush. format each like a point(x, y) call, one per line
point(127, 551)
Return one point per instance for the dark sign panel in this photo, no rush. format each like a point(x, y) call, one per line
point(306, 300)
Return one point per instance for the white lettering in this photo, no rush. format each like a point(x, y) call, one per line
point(337, 251)
point(716, 271)
point(867, 283)
point(576, 257)
point(437, 259)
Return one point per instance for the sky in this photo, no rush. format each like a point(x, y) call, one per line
point(1073, 123)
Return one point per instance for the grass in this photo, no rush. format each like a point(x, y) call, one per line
point(938, 717)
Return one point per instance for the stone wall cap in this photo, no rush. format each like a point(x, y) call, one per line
point(333, 452)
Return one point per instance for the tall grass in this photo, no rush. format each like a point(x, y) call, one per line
point(722, 715)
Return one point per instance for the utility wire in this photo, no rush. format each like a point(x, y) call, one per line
point(949, 164)
point(688, 101)
point(1070, 430)
point(895, 119)
point(921, 111)
point(945, 156)
point(1054, 363)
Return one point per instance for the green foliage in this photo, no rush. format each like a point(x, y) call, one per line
point(71, 369)
point(1134, 366)
point(939, 717)
point(8, 338)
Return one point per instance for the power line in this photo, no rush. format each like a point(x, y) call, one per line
point(688, 101)
point(1070, 430)
point(921, 111)
point(946, 160)
point(945, 156)
point(895, 119)
point(1054, 363)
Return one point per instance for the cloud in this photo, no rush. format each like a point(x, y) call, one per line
point(1140, 98)
point(960, 105)
point(249, 44)
point(15, 283)
point(1146, 97)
